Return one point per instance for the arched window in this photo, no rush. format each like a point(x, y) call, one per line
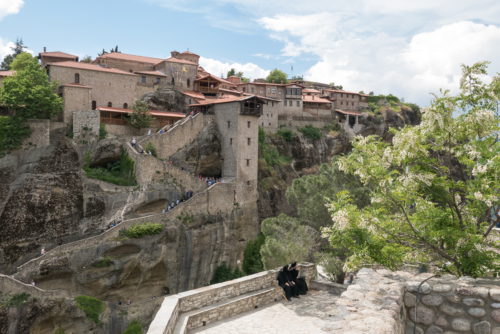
point(77, 78)
point(94, 105)
point(110, 104)
point(173, 81)
point(125, 106)
point(188, 82)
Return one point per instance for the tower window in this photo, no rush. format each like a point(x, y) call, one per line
point(249, 140)
point(143, 79)
point(248, 162)
point(94, 105)
point(230, 141)
point(248, 124)
point(188, 82)
point(110, 104)
point(125, 106)
point(228, 124)
point(77, 78)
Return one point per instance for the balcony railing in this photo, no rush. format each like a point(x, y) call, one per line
point(289, 96)
point(203, 89)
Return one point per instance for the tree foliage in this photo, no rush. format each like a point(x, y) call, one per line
point(435, 189)
point(134, 327)
point(224, 273)
point(92, 307)
point(140, 117)
point(86, 59)
point(231, 72)
point(252, 260)
point(18, 48)
point(150, 148)
point(141, 230)
point(28, 93)
point(277, 76)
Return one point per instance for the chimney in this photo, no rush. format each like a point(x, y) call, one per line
point(273, 81)
point(44, 49)
point(281, 81)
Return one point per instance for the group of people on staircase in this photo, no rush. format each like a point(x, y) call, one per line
point(293, 284)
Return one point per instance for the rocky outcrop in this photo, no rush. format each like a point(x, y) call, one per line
point(166, 98)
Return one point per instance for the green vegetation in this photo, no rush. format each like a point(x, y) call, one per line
point(115, 49)
point(277, 76)
point(139, 231)
point(150, 148)
point(224, 273)
point(106, 262)
point(15, 300)
point(252, 260)
point(120, 172)
point(92, 307)
point(13, 130)
point(102, 131)
point(140, 117)
point(311, 132)
point(237, 74)
point(59, 330)
point(18, 48)
point(134, 327)
point(286, 134)
point(86, 59)
point(270, 153)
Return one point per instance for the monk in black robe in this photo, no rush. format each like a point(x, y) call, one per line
point(285, 281)
point(300, 282)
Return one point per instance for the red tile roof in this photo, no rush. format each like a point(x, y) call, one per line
point(177, 60)
point(57, 54)
point(7, 73)
point(189, 53)
point(310, 91)
point(90, 67)
point(215, 78)
point(152, 112)
point(124, 56)
point(156, 73)
point(340, 91)
point(230, 91)
point(260, 83)
point(193, 94)
point(220, 100)
point(348, 112)
point(309, 98)
point(76, 85)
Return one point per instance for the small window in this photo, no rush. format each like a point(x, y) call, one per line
point(130, 71)
point(248, 141)
point(268, 90)
point(274, 90)
point(251, 89)
point(341, 102)
point(189, 101)
point(271, 115)
point(267, 115)
point(248, 162)
point(125, 106)
point(94, 105)
point(279, 92)
point(228, 124)
point(99, 61)
point(158, 80)
point(230, 141)
point(262, 123)
point(272, 104)
point(261, 91)
point(248, 183)
point(352, 103)
point(173, 81)
point(110, 104)
point(341, 94)
point(298, 103)
point(188, 82)
point(143, 79)
point(269, 124)
point(77, 78)
point(244, 89)
point(248, 124)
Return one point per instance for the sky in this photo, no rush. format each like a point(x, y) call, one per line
point(405, 48)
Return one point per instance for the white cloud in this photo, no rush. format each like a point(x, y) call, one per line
point(8, 7)
point(216, 67)
point(265, 56)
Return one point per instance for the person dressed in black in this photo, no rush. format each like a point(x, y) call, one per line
point(300, 282)
point(285, 281)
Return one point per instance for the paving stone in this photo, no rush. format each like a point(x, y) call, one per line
point(476, 312)
point(452, 311)
point(424, 315)
point(432, 300)
point(495, 294)
point(434, 330)
point(460, 325)
point(473, 302)
point(441, 321)
point(483, 327)
point(441, 288)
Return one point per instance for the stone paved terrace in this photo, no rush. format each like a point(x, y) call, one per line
point(307, 315)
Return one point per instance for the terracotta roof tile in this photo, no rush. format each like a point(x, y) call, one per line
point(156, 73)
point(90, 67)
point(309, 98)
point(193, 94)
point(152, 112)
point(214, 77)
point(124, 56)
point(7, 73)
point(57, 54)
point(340, 91)
point(189, 53)
point(349, 112)
point(177, 60)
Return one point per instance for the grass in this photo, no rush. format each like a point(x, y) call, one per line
point(92, 307)
point(15, 300)
point(270, 153)
point(139, 231)
point(286, 134)
point(311, 132)
point(120, 172)
point(106, 262)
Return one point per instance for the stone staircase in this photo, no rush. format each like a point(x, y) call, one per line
point(168, 128)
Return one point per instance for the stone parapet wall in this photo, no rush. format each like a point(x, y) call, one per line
point(327, 286)
point(86, 125)
point(292, 121)
point(40, 133)
point(166, 318)
point(9, 285)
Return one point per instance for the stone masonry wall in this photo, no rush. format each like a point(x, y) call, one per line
point(9, 285)
point(40, 133)
point(86, 126)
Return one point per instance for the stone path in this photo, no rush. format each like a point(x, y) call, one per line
point(306, 315)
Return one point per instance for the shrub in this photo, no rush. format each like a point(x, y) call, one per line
point(92, 307)
point(12, 132)
point(139, 231)
point(224, 273)
point(120, 172)
point(262, 135)
point(311, 132)
point(59, 330)
point(15, 300)
point(134, 327)
point(106, 262)
point(149, 147)
point(102, 131)
point(252, 260)
point(286, 134)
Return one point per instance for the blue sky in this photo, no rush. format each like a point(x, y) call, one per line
point(405, 48)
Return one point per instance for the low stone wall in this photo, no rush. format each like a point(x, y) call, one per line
point(301, 121)
point(40, 133)
point(86, 126)
point(57, 125)
point(166, 318)
point(9, 285)
point(328, 286)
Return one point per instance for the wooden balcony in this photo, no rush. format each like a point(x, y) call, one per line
point(204, 89)
point(289, 96)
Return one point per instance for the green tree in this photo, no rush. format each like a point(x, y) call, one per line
point(371, 93)
point(243, 79)
point(277, 76)
point(297, 78)
point(361, 92)
point(140, 117)
point(18, 48)
point(28, 93)
point(252, 260)
point(134, 327)
point(86, 59)
point(231, 72)
point(435, 189)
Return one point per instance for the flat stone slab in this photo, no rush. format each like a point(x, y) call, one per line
point(305, 315)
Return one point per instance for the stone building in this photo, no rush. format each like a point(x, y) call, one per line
point(55, 56)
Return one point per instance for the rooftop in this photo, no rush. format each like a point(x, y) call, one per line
point(156, 73)
point(315, 99)
point(124, 56)
point(57, 54)
point(177, 60)
point(189, 53)
point(340, 91)
point(349, 112)
point(90, 67)
point(152, 112)
point(193, 94)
